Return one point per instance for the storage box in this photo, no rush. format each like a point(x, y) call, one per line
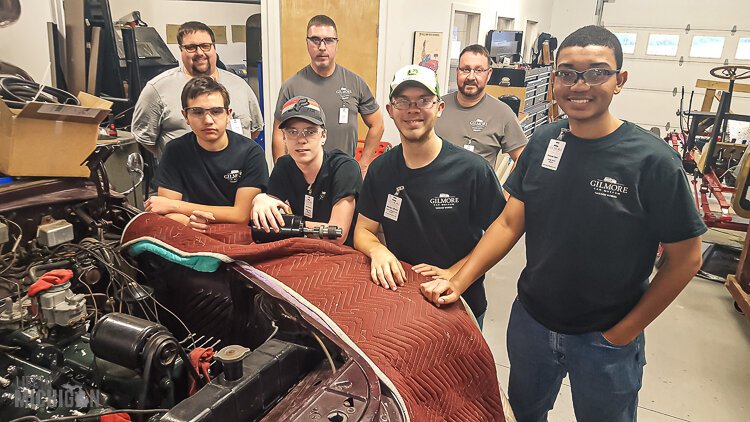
point(45, 139)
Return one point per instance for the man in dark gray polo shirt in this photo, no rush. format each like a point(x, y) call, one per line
point(340, 92)
point(475, 120)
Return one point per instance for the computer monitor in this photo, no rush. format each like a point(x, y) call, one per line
point(502, 44)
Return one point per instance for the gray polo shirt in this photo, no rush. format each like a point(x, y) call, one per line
point(157, 117)
point(342, 89)
point(488, 128)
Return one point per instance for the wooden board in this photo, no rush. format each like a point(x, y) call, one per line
point(357, 23)
point(741, 298)
point(721, 86)
point(75, 40)
point(519, 91)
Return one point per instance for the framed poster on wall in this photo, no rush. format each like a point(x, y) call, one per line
point(428, 49)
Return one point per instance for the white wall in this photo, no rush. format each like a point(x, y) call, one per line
point(399, 20)
point(24, 44)
point(569, 15)
point(159, 13)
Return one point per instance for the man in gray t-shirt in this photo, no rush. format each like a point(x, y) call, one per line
point(475, 120)
point(340, 92)
point(157, 117)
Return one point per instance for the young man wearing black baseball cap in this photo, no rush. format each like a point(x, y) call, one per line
point(322, 186)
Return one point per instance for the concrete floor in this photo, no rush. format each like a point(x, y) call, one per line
point(697, 351)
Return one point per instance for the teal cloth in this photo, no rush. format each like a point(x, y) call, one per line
point(204, 264)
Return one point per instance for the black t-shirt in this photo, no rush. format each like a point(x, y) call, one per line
point(339, 177)
point(212, 177)
point(445, 208)
point(593, 225)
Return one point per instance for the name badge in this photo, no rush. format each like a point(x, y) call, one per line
point(469, 147)
point(343, 115)
point(554, 154)
point(235, 125)
point(308, 206)
point(392, 207)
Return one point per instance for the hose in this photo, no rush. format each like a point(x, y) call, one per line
point(17, 92)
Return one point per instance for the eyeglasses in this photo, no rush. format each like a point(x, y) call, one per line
point(304, 133)
point(200, 112)
point(326, 40)
point(192, 48)
point(467, 71)
point(595, 76)
point(404, 104)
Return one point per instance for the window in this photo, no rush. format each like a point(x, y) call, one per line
point(627, 39)
point(743, 49)
point(662, 45)
point(708, 47)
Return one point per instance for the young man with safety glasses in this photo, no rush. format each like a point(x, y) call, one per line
point(595, 196)
point(432, 199)
point(210, 174)
point(341, 93)
point(157, 117)
point(320, 185)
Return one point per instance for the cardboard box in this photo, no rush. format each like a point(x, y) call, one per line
point(45, 139)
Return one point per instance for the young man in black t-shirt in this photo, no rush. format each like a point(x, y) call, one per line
point(432, 199)
point(322, 186)
point(595, 196)
point(210, 174)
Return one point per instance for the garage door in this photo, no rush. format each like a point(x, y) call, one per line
point(671, 44)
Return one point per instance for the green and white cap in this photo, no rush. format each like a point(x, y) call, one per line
point(413, 75)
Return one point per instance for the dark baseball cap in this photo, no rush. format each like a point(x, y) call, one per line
point(302, 108)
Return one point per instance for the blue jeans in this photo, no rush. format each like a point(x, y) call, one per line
point(480, 320)
point(604, 378)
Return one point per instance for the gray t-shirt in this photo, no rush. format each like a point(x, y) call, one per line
point(488, 128)
point(342, 89)
point(157, 117)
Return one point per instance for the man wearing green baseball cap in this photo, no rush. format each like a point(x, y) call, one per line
point(432, 199)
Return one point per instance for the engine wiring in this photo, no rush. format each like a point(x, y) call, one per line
point(93, 416)
point(106, 253)
point(327, 353)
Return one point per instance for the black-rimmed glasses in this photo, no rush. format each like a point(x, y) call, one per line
point(192, 48)
point(595, 76)
point(327, 40)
